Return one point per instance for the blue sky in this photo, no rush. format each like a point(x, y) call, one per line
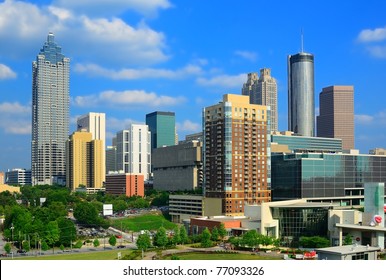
point(133, 57)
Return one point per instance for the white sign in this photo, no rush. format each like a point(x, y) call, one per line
point(107, 209)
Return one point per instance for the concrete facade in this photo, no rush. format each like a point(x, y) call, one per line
point(178, 167)
point(336, 117)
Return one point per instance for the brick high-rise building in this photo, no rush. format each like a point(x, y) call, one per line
point(236, 153)
point(336, 117)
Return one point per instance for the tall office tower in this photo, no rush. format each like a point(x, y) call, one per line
point(336, 117)
point(237, 153)
point(50, 114)
point(133, 150)
point(249, 88)
point(95, 123)
point(263, 91)
point(162, 126)
point(301, 103)
point(84, 161)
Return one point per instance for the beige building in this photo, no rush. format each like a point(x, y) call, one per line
point(237, 153)
point(336, 117)
point(178, 167)
point(11, 189)
point(85, 161)
point(182, 207)
point(263, 91)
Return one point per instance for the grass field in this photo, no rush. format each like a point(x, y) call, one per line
point(113, 255)
point(143, 222)
point(219, 256)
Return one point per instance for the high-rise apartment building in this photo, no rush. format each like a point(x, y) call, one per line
point(301, 100)
point(95, 123)
point(85, 161)
point(162, 126)
point(133, 150)
point(237, 153)
point(263, 91)
point(50, 114)
point(336, 117)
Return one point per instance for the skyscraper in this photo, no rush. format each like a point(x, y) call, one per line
point(336, 117)
point(133, 150)
point(236, 153)
point(50, 114)
point(85, 161)
point(95, 123)
point(263, 91)
point(162, 126)
point(301, 103)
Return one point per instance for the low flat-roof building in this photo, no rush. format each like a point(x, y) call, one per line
point(348, 252)
point(125, 183)
point(182, 207)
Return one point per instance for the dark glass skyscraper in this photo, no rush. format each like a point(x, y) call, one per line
point(162, 126)
point(50, 114)
point(301, 102)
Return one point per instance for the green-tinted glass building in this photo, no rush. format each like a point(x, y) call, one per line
point(325, 177)
point(162, 126)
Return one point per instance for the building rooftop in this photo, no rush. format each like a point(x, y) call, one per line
point(348, 249)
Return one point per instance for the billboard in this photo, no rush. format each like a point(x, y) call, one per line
point(107, 209)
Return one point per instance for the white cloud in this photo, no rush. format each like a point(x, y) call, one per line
point(132, 74)
point(189, 126)
point(108, 40)
point(114, 124)
point(224, 81)
point(364, 119)
point(15, 118)
point(6, 72)
point(372, 35)
point(126, 98)
point(377, 51)
point(103, 7)
point(252, 56)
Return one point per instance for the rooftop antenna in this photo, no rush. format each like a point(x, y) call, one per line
point(302, 40)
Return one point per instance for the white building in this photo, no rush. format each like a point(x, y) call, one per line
point(133, 150)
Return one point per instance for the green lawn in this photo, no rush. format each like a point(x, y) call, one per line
point(143, 222)
point(220, 256)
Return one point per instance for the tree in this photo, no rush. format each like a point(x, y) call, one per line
point(250, 239)
point(143, 241)
point(347, 240)
point(26, 246)
point(215, 234)
point(67, 231)
point(119, 205)
point(52, 233)
point(112, 240)
point(222, 232)
point(183, 235)
point(314, 242)
point(61, 247)
point(44, 246)
point(7, 248)
point(96, 242)
point(78, 244)
point(160, 238)
point(205, 238)
point(86, 213)
point(176, 237)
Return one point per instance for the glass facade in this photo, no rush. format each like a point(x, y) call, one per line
point(301, 108)
point(308, 143)
point(338, 178)
point(162, 126)
point(295, 222)
point(50, 114)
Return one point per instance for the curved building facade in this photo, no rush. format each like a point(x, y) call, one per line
point(301, 101)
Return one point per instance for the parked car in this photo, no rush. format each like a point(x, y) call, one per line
point(121, 246)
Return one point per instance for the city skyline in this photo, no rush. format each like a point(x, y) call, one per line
point(128, 59)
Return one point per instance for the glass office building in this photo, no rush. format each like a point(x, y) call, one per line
point(325, 177)
point(162, 126)
point(308, 143)
point(298, 221)
point(50, 114)
point(301, 108)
